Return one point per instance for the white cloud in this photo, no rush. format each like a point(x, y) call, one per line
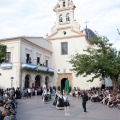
point(36, 17)
point(4, 11)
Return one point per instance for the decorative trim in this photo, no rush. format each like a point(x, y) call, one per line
point(56, 9)
point(80, 34)
point(65, 37)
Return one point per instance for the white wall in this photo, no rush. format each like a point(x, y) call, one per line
point(6, 74)
point(77, 44)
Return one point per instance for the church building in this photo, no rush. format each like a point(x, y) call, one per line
point(35, 61)
point(67, 39)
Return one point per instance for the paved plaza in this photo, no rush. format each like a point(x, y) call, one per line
point(34, 109)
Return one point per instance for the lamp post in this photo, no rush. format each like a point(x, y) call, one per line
point(12, 81)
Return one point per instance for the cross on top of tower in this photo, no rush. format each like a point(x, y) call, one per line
point(86, 22)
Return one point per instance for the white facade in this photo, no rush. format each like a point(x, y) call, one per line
point(19, 47)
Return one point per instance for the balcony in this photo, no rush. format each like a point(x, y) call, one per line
point(6, 65)
point(29, 66)
point(37, 68)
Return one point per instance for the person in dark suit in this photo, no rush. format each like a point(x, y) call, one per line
point(84, 100)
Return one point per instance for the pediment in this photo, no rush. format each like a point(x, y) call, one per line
point(65, 33)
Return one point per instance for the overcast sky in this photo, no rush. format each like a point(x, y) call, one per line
point(36, 17)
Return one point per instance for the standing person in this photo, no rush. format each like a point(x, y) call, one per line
point(63, 92)
point(84, 100)
point(66, 103)
point(23, 93)
point(60, 101)
point(29, 92)
point(44, 91)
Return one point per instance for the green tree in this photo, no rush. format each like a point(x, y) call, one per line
point(100, 61)
point(2, 53)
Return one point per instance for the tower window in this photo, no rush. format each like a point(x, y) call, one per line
point(64, 32)
point(67, 18)
point(64, 48)
point(60, 19)
point(63, 4)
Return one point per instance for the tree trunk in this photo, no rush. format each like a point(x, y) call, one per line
point(115, 83)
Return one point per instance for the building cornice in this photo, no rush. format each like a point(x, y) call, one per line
point(23, 39)
point(63, 9)
point(19, 37)
point(65, 37)
point(35, 45)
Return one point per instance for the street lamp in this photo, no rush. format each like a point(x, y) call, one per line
point(11, 81)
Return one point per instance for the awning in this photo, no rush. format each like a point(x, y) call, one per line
point(6, 65)
point(26, 65)
point(50, 70)
point(36, 67)
point(42, 68)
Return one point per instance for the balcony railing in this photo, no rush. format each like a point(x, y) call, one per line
point(37, 68)
point(9, 65)
point(27, 65)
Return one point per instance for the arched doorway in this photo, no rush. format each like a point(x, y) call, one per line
point(37, 81)
point(27, 82)
point(46, 81)
point(63, 84)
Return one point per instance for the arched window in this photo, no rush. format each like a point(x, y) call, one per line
point(37, 81)
point(27, 82)
point(67, 18)
point(63, 4)
point(60, 19)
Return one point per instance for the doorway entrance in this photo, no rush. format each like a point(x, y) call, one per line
point(27, 82)
point(63, 84)
point(37, 81)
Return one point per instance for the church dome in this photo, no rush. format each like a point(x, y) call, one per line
point(89, 33)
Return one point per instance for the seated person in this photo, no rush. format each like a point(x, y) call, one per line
point(116, 101)
point(118, 105)
point(105, 99)
point(111, 99)
point(94, 97)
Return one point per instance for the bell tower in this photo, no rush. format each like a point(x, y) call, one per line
point(65, 25)
point(64, 12)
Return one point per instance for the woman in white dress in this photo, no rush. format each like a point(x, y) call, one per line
point(66, 103)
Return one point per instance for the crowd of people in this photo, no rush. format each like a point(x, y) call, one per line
point(8, 104)
point(107, 96)
point(8, 98)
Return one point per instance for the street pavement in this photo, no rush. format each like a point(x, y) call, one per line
point(34, 109)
